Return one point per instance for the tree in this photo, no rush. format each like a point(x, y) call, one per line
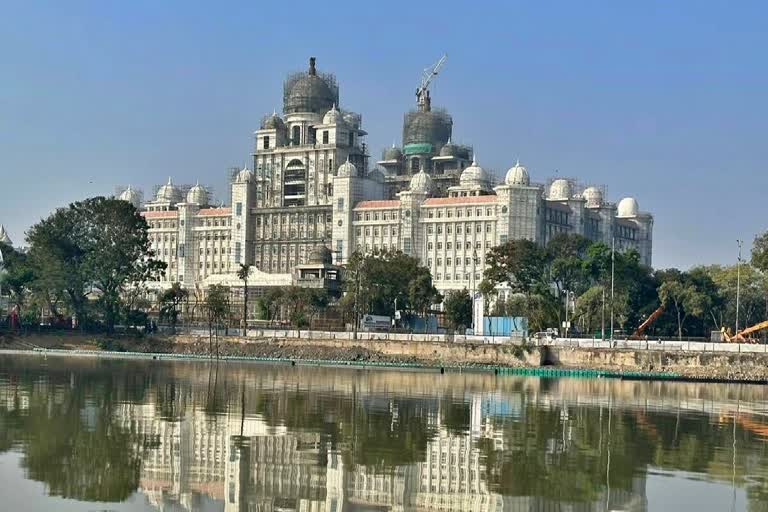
point(685, 298)
point(97, 244)
point(16, 274)
point(458, 308)
point(242, 273)
point(422, 293)
point(170, 301)
point(520, 264)
point(760, 252)
point(217, 309)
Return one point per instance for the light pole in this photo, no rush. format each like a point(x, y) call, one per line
point(738, 284)
point(613, 266)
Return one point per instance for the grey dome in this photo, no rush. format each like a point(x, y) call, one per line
point(168, 193)
point(333, 116)
point(273, 122)
point(320, 255)
point(310, 92)
point(560, 190)
point(593, 196)
point(449, 149)
point(393, 153)
point(628, 207)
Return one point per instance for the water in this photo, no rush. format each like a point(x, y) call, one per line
point(82, 434)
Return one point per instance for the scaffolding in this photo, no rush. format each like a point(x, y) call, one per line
point(432, 127)
point(310, 91)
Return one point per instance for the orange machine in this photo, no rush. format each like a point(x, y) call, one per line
point(648, 321)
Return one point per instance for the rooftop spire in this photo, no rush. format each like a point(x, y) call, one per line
point(312, 70)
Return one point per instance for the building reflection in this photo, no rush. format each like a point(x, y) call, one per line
point(241, 463)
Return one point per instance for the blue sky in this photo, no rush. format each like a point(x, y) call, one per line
point(665, 101)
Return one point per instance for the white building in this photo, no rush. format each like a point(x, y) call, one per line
point(310, 185)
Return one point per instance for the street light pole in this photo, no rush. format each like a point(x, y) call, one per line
point(613, 266)
point(738, 284)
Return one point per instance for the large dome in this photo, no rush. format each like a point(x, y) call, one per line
point(130, 195)
point(473, 175)
point(244, 176)
point(593, 196)
point(560, 190)
point(168, 193)
point(421, 182)
point(333, 116)
point(310, 92)
point(432, 127)
point(347, 170)
point(517, 175)
point(449, 149)
point(320, 255)
point(197, 195)
point(628, 207)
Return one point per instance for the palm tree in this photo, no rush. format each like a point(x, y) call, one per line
point(242, 274)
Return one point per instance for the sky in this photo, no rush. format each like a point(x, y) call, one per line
point(663, 101)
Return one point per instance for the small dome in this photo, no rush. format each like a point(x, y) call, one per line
point(168, 193)
point(130, 195)
point(273, 122)
point(376, 175)
point(593, 197)
point(421, 182)
point(333, 116)
point(473, 175)
point(244, 176)
point(320, 255)
point(449, 149)
point(351, 119)
point(517, 175)
point(393, 153)
point(4, 238)
point(560, 190)
point(347, 170)
point(197, 195)
point(628, 207)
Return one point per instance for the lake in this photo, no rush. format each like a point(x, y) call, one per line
point(131, 435)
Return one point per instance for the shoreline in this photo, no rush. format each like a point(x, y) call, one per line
point(545, 371)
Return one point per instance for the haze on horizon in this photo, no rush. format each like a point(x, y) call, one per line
point(664, 102)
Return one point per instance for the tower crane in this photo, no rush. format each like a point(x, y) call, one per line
point(429, 74)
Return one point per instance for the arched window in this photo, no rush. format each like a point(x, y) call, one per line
point(415, 164)
point(296, 135)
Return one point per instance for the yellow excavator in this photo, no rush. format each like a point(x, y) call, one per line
point(741, 336)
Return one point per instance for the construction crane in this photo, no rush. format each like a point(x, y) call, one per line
point(429, 74)
point(648, 321)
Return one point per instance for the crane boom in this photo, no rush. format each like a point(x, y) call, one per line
point(648, 321)
point(429, 74)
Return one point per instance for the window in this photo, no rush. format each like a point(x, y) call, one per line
point(440, 229)
point(439, 261)
point(449, 245)
point(386, 230)
point(467, 261)
point(439, 245)
point(376, 231)
point(479, 228)
point(448, 262)
point(375, 215)
point(429, 262)
point(239, 209)
point(415, 164)
point(351, 138)
point(266, 142)
point(237, 252)
point(296, 135)
point(394, 231)
point(430, 214)
point(488, 228)
point(439, 277)
point(367, 231)
point(468, 229)
point(449, 229)
point(469, 212)
point(357, 232)
point(468, 245)
point(406, 245)
point(340, 203)
point(478, 245)
point(430, 230)
point(449, 213)
point(357, 216)
point(325, 137)
point(439, 214)
point(429, 246)
point(503, 209)
point(367, 216)
point(479, 212)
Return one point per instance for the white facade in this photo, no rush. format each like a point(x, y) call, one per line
point(310, 185)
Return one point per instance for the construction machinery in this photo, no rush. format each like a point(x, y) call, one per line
point(429, 74)
point(741, 336)
point(648, 321)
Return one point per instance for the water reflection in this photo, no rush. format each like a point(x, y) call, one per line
point(268, 438)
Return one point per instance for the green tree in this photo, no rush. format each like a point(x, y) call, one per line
point(760, 252)
point(16, 274)
point(422, 293)
point(520, 264)
point(217, 309)
point(170, 304)
point(99, 243)
point(458, 308)
point(685, 299)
